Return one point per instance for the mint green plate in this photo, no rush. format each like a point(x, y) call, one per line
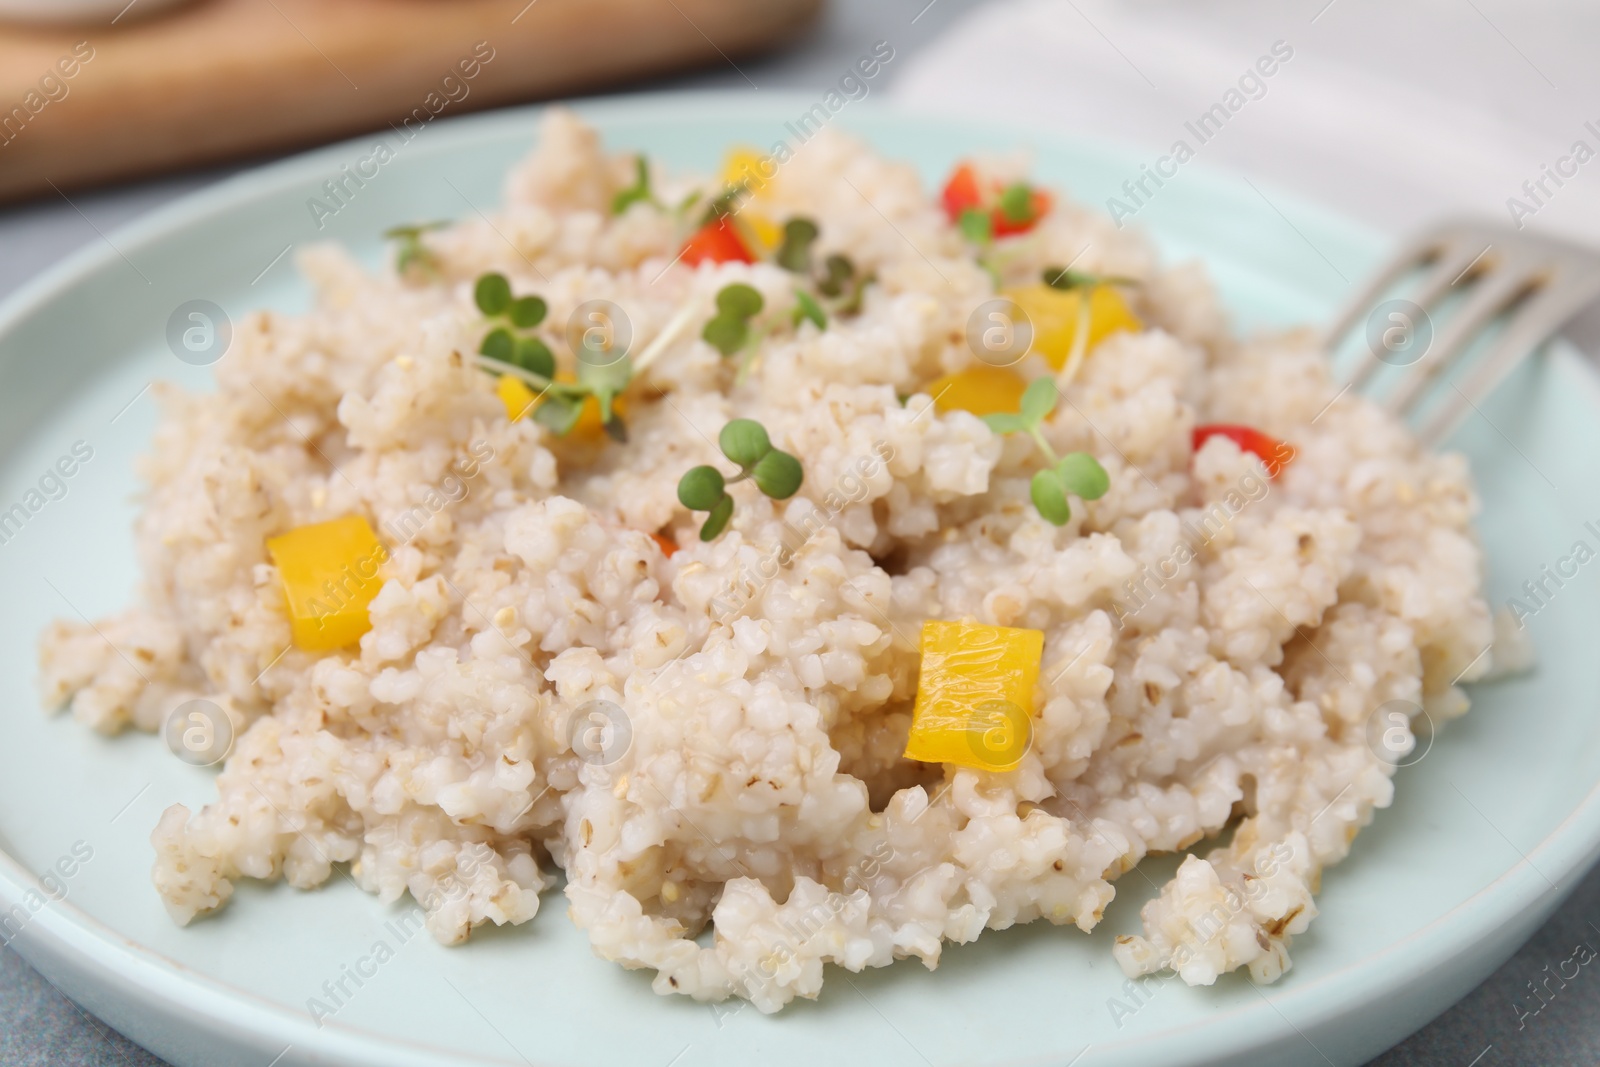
point(1486, 836)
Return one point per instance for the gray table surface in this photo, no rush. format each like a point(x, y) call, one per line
point(39, 1027)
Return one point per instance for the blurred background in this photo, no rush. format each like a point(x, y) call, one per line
point(1394, 113)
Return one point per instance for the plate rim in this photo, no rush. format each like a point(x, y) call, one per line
point(150, 980)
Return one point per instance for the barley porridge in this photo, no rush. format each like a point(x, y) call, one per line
point(793, 554)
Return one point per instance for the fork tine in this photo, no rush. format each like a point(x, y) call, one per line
point(1451, 263)
point(1490, 297)
point(1536, 281)
point(1422, 249)
point(1532, 324)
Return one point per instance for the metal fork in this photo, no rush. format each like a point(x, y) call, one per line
point(1538, 283)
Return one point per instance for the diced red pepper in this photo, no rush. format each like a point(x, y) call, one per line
point(1274, 453)
point(665, 543)
point(964, 191)
point(961, 192)
point(716, 242)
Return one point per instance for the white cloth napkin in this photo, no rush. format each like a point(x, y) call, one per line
point(1395, 113)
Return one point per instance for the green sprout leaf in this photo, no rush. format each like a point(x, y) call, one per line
point(726, 334)
point(492, 294)
point(1081, 474)
point(639, 190)
point(1016, 202)
point(411, 230)
point(411, 252)
point(499, 344)
point(528, 312)
point(717, 521)
point(794, 254)
point(837, 271)
point(558, 414)
point(606, 378)
point(1068, 280)
point(806, 307)
point(744, 441)
point(778, 475)
point(605, 383)
point(1006, 422)
point(532, 355)
point(852, 305)
point(414, 254)
point(723, 204)
point(400, 233)
point(739, 301)
point(976, 226)
point(687, 203)
point(729, 330)
point(1038, 400)
point(701, 488)
point(1050, 497)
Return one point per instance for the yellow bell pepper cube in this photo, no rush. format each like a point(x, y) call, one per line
point(975, 695)
point(767, 234)
point(515, 395)
point(329, 572)
point(744, 167)
point(980, 389)
point(1054, 316)
point(756, 172)
point(589, 424)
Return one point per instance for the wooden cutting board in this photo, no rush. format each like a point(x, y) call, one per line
point(223, 78)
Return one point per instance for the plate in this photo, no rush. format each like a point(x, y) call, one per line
point(1488, 833)
point(70, 11)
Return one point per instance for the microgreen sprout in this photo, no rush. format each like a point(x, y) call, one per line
point(976, 226)
point(851, 304)
point(729, 330)
point(639, 190)
point(834, 286)
point(724, 203)
point(842, 285)
point(686, 205)
point(739, 301)
point(794, 254)
point(1067, 280)
point(745, 442)
point(492, 294)
point(735, 328)
point(806, 307)
point(506, 342)
point(984, 211)
point(837, 271)
point(410, 251)
point(1077, 473)
point(1016, 202)
point(603, 382)
point(508, 349)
